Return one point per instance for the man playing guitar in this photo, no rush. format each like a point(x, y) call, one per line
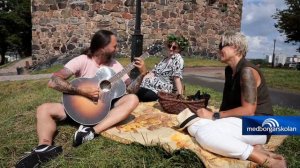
point(103, 46)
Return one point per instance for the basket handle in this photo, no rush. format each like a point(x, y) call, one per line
point(179, 96)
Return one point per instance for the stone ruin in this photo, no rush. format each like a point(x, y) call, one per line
point(62, 28)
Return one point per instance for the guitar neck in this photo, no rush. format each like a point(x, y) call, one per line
point(127, 69)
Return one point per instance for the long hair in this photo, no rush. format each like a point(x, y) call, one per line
point(99, 40)
point(236, 39)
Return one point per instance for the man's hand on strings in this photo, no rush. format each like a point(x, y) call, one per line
point(92, 93)
point(140, 64)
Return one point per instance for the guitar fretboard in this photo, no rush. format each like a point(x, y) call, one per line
point(126, 69)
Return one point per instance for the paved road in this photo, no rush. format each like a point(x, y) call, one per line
point(23, 77)
point(278, 97)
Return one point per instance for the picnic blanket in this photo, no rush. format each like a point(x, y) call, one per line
point(149, 125)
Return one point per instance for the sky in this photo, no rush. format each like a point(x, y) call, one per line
point(258, 26)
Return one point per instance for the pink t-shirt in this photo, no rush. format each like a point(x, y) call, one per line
point(82, 66)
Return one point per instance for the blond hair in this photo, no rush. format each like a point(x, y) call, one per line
point(236, 39)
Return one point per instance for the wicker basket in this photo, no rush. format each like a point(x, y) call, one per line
point(174, 104)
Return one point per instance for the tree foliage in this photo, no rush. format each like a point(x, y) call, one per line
point(288, 21)
point(15, 27)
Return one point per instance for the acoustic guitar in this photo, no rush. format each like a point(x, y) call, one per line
point(88, 112)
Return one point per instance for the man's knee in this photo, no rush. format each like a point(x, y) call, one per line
point(42, 110)
point(132, 99)
point(52, 110)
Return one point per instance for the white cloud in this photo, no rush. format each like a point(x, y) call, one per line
point(259, 46)
point(256, 42)
point(256, 13)
point(258, 26)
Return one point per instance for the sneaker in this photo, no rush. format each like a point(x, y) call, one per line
point(41, 154)
point(82, 135)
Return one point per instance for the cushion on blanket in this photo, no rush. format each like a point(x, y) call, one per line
point(148, 125)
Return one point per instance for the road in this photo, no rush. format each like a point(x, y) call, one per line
point(209, 78)
point(278, 97)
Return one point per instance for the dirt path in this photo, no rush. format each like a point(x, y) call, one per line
point(24, 77)
point(9, 73)
point(12, 69)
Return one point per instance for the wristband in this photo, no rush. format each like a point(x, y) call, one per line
point(216, 116)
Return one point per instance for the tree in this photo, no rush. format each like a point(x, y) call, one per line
point(288, 21)
point(15, 27)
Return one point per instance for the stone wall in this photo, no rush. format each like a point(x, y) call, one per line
point(63, 27)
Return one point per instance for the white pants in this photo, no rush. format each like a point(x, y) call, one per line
point(224, 137)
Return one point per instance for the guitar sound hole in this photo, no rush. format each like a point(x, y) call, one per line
point(105, 86)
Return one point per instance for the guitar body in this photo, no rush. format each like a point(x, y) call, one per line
point(87, 112)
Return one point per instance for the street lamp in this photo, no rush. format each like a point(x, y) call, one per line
point(137, 37)
point(273, 57)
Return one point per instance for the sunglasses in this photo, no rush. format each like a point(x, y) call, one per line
point(173, 47)
point(222, 46)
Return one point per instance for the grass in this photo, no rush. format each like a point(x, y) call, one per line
point(20, 99)
point(7, 64)
point(284, 79)
point(52, 69)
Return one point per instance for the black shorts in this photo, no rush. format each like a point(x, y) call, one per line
point(146, 95)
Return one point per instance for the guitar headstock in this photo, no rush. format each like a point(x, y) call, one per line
point(155, 48)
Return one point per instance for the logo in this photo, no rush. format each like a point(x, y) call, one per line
point(270, 122)
point(275, 125)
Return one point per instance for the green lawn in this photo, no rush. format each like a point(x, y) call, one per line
point(283, 79)
point(20, 99)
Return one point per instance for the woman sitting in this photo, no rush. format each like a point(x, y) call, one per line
point(167, 74)
point(245, 94)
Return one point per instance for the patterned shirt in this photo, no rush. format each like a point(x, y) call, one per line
point(163, 74)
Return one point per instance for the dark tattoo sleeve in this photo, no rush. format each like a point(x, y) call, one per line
point(135, 85)
point(59, 82)
point(248, 86)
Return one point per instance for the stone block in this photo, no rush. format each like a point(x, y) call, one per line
point(110, 7)
point(74, 20)
point(71, 46)
point(127, 15)
point(83, 17)
point(62, 5)
point(54, 21)
point(43, 8)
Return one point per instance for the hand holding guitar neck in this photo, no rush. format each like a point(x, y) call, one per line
point(140, 64)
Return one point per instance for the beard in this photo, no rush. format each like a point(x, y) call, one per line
point(108, 56)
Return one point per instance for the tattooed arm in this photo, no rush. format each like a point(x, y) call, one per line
point(59, 82)
point(248, 86)
point(250, 80)
point(135, 85)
